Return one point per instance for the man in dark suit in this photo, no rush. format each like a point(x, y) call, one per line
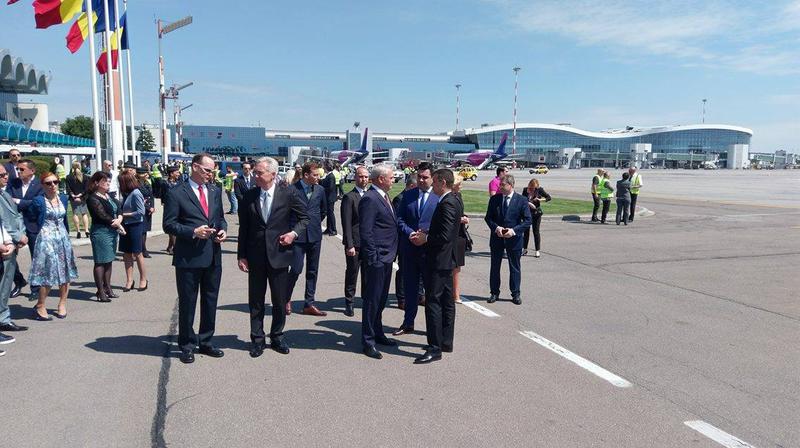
point(440, 247)
point(331, 196)
point(308, 245)
point(172, 180)
point(23, 190)
point(194, 214)
point(245, 182)
point(351, 238)
point(14, 156)
point(399, 293)
point(271, 217)
point(414, 214)
point(378, 229)
point(507, 215)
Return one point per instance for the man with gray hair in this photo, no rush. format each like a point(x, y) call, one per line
point(378, 227)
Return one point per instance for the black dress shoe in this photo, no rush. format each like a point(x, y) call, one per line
point(257, 350)
point(372, 352)
point(492, 298)
point(11, 326)
point(348, 309)
point(187, 357)
point(280, 346)
point(428, 357)
point(385, 341)
point(16, 291)
point(516, 300)
point(211, 351)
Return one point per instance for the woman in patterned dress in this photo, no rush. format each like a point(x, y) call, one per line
point(53, 262)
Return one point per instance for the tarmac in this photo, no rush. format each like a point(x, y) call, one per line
point(680, 329)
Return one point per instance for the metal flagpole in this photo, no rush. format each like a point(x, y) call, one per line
point(98, 155)
point(130, 91)
point(110, 91)
point(514, 138)
point(121, 83)
point(458, 104)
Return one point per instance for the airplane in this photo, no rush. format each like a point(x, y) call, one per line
point(357, 157)
point(480, 159)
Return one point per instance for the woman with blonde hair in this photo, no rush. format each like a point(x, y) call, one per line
point(461, 243)
point(535, 194)
point(76, 191)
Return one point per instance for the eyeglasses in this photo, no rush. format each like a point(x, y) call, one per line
point(3, 174)
point(50, 183)
point(205, 170)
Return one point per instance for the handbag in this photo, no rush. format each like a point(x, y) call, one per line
point(468, 238)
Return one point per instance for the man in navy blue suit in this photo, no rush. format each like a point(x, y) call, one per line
point(193, 213)
point(414, 214)
point(378, 227)
point(507, 215)
point(23, 190)
point(309, 242)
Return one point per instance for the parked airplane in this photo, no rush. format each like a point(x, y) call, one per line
point(480, 159)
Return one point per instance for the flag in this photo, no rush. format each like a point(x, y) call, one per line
point(102, 62)
point(99, 6)
point(55, 12)
point(123, 41)
point(79, 31)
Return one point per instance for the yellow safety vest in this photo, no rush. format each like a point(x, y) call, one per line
point(599, 181)
point(605, 192)
point(338, 176)
point(636, 183)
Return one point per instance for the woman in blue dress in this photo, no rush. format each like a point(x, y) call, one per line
point(53, 263)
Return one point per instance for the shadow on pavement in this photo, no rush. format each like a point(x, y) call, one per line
point(156, 345)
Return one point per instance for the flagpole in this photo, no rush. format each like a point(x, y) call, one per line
point(130, 89)
point(98, 155)
point(121, 83)
point(110, 91)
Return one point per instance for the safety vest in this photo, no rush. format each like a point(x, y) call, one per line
point(228, 183)
point(155, 172)
point(337, 176)
point(605, 191)
point(636, 183)
point(599, 180)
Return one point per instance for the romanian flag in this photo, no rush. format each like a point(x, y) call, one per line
point(102, 62)
point(79, 31)
point(55, 12)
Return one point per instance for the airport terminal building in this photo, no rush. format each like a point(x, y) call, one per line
point(553, 144)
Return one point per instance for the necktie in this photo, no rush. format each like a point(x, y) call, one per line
point(386, 198)
point(506, 200)
point(422, 201)
point(309, 192)
point(203, 201)
point(265, 207)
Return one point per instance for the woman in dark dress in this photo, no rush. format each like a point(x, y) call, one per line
point(535, 195)
point(461, 243)
point(106, 224)
point(76, 191)
point(130, 244)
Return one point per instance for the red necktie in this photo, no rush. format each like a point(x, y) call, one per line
point(203, 202)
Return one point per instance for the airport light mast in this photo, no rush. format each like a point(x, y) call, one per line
point(516, 90)
point(704, 110)
point(172, 94)
point(162, 30)
point(458, 104)
point(179, 125)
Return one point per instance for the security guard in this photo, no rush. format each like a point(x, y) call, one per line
point(596, 193)
point(636, 184)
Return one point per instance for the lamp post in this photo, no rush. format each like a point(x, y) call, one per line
point(704, 110)
point(516, 90)
point(172, 94)
point(458, 105)
point(179, 127)
point(162, 30)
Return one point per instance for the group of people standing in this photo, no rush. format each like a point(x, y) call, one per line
point(627, 192)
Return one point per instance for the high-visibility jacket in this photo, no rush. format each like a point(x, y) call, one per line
point(228, 183)
point(155, 172)
point(337, 176)
point(606, 192)
point(599, 179)
point(636, 183)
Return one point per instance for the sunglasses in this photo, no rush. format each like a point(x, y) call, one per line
point(205, 170)
point(51, 182)
point(3, 174)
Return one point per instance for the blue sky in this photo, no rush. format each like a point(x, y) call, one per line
point(392, 66)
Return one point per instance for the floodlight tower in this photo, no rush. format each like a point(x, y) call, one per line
point(516, 90)
point(458, 105)
point(162, 30)
point(704, 110)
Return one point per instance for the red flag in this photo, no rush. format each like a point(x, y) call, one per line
point(102, 62)
point(55, 12)
point(78, 32)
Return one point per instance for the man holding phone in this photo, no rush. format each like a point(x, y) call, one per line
point(193, 213)
point(508, 216)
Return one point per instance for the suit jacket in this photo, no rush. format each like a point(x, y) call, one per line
point(240, 186)
point(12, 218)
point(316, 209)
point(378, 229)
point(38, 209)
point(410, 220)
point(258, 241)
point(11, 170)
point(183, 214)
point(331, 190)
point(30, 218)
point(517, 217)
point(351, 236)
point(443, 234)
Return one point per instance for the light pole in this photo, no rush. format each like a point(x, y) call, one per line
point(458, 105)
point(516, 90)
point(704, 110)
point(172, 94)
point(179, 127)
point(162, 30)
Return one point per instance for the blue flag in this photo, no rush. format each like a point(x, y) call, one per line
point(123, 40)
point(99, 7)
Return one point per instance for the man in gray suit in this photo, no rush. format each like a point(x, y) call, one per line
point(12, 221)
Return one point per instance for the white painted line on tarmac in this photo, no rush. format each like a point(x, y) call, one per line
point(717, 435)
point(585, 363)
point(481, 309)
